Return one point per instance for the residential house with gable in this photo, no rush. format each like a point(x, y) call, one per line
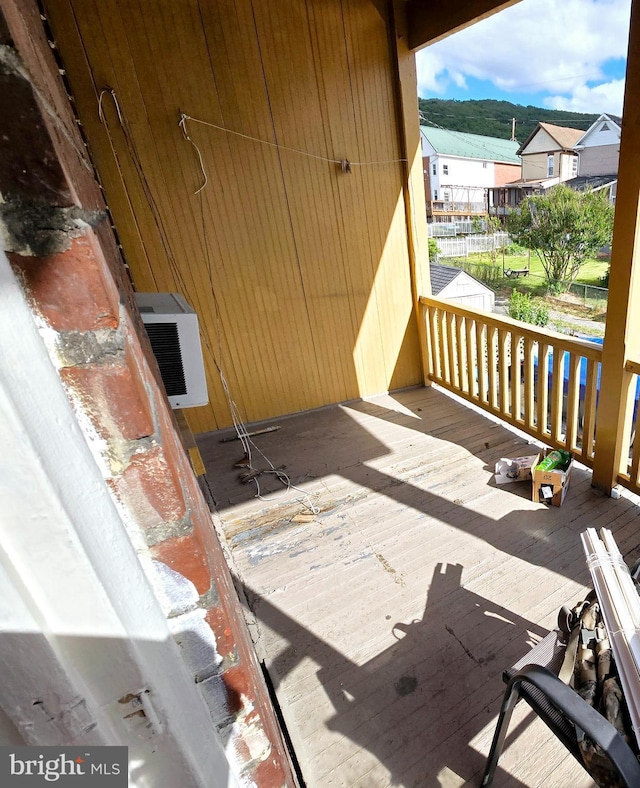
point(548, 158)
point(599, 150)
point(460, 168)
point(548, 154)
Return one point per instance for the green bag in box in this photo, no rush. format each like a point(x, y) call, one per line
point(557, 460)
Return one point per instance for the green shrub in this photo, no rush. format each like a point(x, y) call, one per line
point(528, 310)
point(433, 249)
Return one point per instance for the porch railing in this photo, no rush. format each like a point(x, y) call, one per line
point(542, 382)
point(457, 206)
point(630, 477)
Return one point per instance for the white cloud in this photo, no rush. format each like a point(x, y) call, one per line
point(550, 46)
point(607, 97)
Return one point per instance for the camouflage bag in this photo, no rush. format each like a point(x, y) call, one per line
point(595, 679)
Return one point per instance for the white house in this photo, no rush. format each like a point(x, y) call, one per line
point(457, 285)
point(459, 169)
point(548, 155)
point(599, 147)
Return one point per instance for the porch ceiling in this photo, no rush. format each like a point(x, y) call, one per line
point(428, 21)
point(385, 622)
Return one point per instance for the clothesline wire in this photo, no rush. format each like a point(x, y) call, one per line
point(184, 118)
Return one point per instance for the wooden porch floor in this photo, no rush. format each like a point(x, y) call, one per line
point(385, 621)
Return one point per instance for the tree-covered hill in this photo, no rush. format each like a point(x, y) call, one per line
point(494, 118)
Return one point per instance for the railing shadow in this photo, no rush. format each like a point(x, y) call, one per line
point(416, 705)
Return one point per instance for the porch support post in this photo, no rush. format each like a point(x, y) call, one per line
point(622, 335)
point(413, 182)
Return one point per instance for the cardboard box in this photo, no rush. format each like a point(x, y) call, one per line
point(549, 487)
point(514, 469)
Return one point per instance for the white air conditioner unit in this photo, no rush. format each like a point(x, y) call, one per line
point(172, 327)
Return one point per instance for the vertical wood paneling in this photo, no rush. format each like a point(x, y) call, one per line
point(299, 272)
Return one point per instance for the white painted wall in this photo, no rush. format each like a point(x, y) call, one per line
point(542, 142)
point(599, 135)
point(466, 179)
point(80, 627)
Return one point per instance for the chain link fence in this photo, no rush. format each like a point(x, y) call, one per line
point(589, 294)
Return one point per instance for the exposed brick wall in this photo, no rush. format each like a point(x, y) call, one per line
point(63, 252)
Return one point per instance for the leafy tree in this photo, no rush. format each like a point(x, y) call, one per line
point(433, 249)
point(528, 310)
point(565, 228)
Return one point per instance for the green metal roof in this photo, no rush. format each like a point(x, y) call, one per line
point(471, 146)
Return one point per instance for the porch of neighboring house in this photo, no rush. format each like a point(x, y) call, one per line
point(386, 619)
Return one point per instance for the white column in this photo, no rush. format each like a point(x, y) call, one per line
point(81, 632)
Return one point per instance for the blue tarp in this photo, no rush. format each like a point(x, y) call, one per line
point(583, 372)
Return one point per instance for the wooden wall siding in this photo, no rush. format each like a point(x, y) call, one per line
point(299, 273)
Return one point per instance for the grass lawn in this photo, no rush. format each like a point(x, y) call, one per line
point(591, 272)
point(575, 313)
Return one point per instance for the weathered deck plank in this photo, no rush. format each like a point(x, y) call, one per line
point(386, 621)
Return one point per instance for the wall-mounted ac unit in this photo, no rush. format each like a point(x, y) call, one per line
point(172, 327)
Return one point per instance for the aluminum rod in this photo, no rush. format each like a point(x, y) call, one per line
point(620, 611)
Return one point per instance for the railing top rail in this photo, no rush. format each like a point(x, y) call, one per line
point(632, 366)
point(581, 346)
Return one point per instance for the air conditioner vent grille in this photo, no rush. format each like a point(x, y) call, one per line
point(165, 344)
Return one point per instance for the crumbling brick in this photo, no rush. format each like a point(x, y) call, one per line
point(71, 289)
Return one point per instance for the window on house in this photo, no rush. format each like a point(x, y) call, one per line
point(550, 165)
point(605, 127)
point(484, 164)
point(574, 166)
point(434, 169)
point(445, 169)
point(447, 196)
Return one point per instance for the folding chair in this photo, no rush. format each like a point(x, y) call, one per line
point(535, 679)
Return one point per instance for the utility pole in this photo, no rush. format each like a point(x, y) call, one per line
point(513, 129)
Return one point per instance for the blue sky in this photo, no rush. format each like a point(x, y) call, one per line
point(560, 54)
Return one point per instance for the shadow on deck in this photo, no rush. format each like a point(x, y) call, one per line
point(378, 688)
